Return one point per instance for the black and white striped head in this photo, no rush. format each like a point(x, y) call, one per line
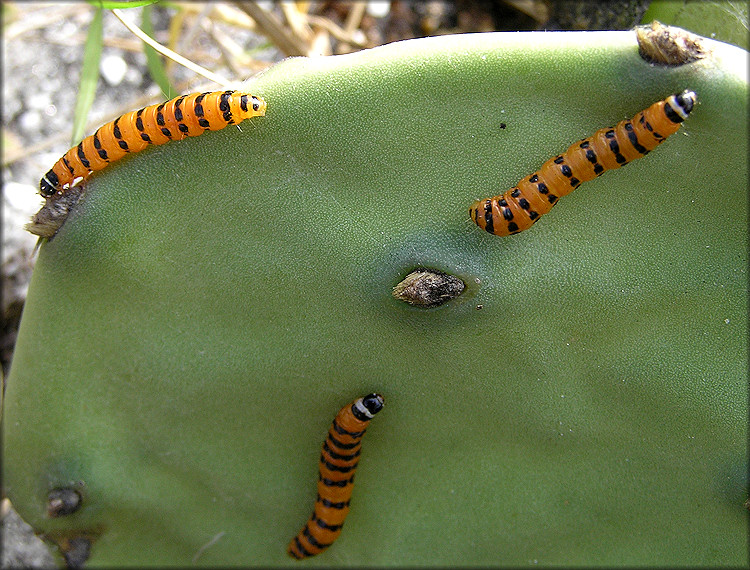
point(365, 408)
point(679, 105)
point(49, 184)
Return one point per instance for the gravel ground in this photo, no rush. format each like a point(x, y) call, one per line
point(21, 547)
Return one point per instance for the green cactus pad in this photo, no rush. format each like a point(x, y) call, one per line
point(209, 305)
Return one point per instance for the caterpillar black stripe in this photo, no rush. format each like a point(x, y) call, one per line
point(520, 207)
point(338, 462)
point(183, 116)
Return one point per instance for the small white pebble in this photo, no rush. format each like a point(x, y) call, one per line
point(30, 121)
point(38, 101)
point(21, 197)
point(113, 69)
point(378, 8)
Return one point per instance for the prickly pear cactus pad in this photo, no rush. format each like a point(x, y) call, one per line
point(209, 304)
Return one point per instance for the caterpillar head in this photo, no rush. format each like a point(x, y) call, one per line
point(365, 408)
point(682, 103)
point(259, 105)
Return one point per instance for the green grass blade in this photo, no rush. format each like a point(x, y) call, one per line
point(89, 76)
point(154, 61)
point(114, 4)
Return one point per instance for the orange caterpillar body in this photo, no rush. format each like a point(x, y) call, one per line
point(520, 207)
point(338, 462)
point(184, 116)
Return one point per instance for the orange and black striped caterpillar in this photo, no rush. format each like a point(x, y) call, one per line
point(338, 462)
point(520, 207)
point(184, 116)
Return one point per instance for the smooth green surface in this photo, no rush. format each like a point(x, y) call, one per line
point(209, 306)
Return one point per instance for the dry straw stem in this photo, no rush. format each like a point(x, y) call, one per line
point(307, 34)
point(169, 53)
point(286, 41)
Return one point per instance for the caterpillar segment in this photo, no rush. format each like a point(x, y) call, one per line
point(184, 116)
point(520, 207)
point(338, 463)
